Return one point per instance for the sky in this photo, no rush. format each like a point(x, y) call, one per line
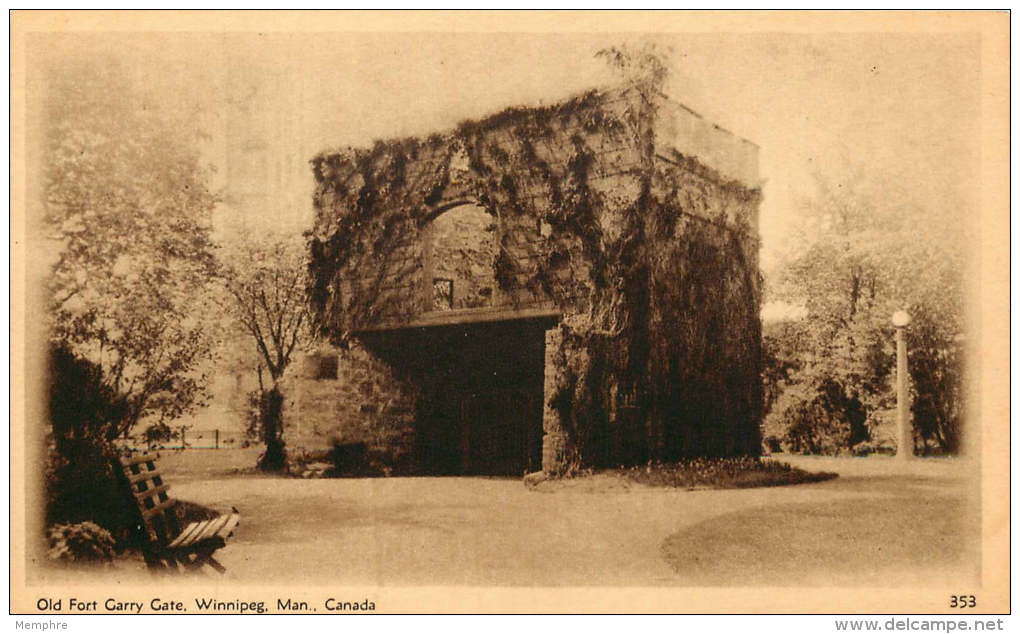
point(895, 108)
point(899, 110)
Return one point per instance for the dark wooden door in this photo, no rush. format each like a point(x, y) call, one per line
point(480, 411)
point(501, 432)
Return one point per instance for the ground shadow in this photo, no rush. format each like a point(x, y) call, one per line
point(883, 541)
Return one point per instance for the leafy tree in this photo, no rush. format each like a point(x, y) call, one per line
point(872, 250)
point(266, 281)
point(158, 434)
point(80, 485)
point(128, 206)
point(783, 357)
point(647, 64)
point(783, 352)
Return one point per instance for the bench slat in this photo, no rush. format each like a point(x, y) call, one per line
point(134, 478)
point(229, 526)
point(188, 533)
point(207, 531)
point(148, 493)
point(214, 528)
point(221, 527)
point(156, 510)
point(138, 459)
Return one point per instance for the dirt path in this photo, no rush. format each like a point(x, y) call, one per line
point(470, 531)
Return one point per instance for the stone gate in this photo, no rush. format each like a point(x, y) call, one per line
point(547, 288)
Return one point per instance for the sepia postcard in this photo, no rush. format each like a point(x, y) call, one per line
point(510, 312)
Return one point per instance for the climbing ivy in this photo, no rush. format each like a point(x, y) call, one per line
point(651, 259)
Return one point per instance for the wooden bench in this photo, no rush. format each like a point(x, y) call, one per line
point(168, 547)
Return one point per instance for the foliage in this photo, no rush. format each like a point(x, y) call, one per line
point(253, 415)
point(274, 458)
point(783, 356)
point(186, 512)
point(126, 208)
point(84, 542)
point(371, 200)
point(352, 460)
point(127, 205)
point(158, 434)
point(936, 357)
point(610, 260)
point(82, 406)
point(264, 423)
point(724, 473)
point(647, 64)
point(866, 258)
point(80, 483)
point(266, 281)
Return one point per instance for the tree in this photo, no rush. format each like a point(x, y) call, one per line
point(872, 249)
point(647, 64)
point(266, 281)
point(128, 204)
point(79, 484)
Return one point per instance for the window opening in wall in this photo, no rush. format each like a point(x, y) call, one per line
point(461, 253)
point(328, 366)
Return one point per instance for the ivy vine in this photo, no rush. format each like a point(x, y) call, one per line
point(657, 282)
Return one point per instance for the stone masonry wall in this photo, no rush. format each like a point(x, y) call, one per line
point(632, 219)
point(367, 402)
point(374, 210)
point(462, 249)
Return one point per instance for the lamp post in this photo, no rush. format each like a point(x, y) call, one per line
point(905, 444)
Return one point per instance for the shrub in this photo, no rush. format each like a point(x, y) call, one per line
point(310, 462)
point(158, 434)
point(186, 512)
point(81, 406)
point(83, 542)
point(723, 473)
point(873, 446)
point(352, 460)
point(80, 483)
point(817, 417)
point(772, 444)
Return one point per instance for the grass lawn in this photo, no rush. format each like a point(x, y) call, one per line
point(907, 529)
point(207, 463)
point(880, 523)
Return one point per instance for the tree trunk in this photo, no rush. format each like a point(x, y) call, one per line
point(274, 458)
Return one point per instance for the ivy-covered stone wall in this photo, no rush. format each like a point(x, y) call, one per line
point(461, 246)
point(602, 213)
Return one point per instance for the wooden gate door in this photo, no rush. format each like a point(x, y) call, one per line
point(501, 430)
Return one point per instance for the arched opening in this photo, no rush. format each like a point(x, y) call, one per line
point(461, 245)
point(479, 371)
point(475, 353)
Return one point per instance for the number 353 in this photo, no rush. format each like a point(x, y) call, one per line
point(962, 601)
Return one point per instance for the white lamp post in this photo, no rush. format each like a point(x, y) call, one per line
point(905, 444)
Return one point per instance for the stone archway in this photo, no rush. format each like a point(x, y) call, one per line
point(479, 373)
point(460, 249)
point(628, 221)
